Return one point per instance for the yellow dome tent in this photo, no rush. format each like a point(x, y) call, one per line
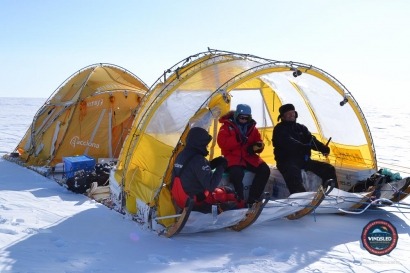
point(89, 114)
point(201, 88)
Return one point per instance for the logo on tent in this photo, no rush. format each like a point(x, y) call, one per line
point(77, 141)
point(95, 103)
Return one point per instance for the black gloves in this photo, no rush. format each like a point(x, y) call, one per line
point(258, 147)
point(200, 197)
point(219, 161)
point(250, 150)
point(325, 150)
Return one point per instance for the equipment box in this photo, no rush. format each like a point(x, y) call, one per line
point(347, 178)
point(77, 163)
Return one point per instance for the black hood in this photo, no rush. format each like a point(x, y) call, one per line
point(198, 138)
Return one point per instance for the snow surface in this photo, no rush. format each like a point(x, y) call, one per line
point(46, 228)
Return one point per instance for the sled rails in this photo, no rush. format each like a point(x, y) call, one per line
point(252, 214)
point(236, 220)
point(175, 228)
point(341, 202)
point(316, 200)
point(372, 204)
point(385, 194)
point(396, 190)
point(239, 219)
point(401, 194)
point(296, 206)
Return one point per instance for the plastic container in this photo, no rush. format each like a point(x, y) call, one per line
point(73, 164)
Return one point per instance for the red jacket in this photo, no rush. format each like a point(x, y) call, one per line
point(232, 148)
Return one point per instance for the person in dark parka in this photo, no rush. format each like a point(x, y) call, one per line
point(293, 143)
point(197, 178)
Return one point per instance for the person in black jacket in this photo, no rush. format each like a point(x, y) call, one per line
point(293, 143)
point(197, 178)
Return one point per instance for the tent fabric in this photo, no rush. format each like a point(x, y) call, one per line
point(89, 114)
point(202, 87)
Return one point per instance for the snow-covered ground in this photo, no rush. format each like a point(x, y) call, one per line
point(46, 228)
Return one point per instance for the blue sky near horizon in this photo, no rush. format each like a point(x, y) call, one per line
point(364, 44)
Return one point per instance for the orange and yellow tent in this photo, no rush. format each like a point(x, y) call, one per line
point(89, 114)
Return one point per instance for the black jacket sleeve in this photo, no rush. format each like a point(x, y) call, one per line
point(319, 146)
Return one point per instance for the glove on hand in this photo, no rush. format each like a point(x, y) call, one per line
point(325, 150)
point(200, 197)
point(250, 150)
point(219, 161)
point(258, 147)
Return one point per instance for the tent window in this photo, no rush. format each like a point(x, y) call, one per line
point(170, 119)
point(252, 97)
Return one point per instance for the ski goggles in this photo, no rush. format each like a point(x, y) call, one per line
point(244, 117)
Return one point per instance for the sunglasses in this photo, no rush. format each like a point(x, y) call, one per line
point(244, 117)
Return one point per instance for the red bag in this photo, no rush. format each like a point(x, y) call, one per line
point(178, 193)
point(220, 195)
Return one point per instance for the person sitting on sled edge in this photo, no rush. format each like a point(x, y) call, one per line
point(293, 143)
point(241, 143)
point(198, 180)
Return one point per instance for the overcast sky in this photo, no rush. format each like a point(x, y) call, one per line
point(363, 43)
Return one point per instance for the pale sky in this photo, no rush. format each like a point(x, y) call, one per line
point(365, 44)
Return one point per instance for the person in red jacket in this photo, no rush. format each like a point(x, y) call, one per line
point(241, 143)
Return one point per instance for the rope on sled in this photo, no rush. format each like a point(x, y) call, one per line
point(374, 202)
point(337, 199)
point(380, 202)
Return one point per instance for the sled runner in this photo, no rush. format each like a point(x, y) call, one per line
point(175, 228)
point(252, 214)
point(396, 190)
point(403, 193)
point(380, 193)
point(317, 199)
